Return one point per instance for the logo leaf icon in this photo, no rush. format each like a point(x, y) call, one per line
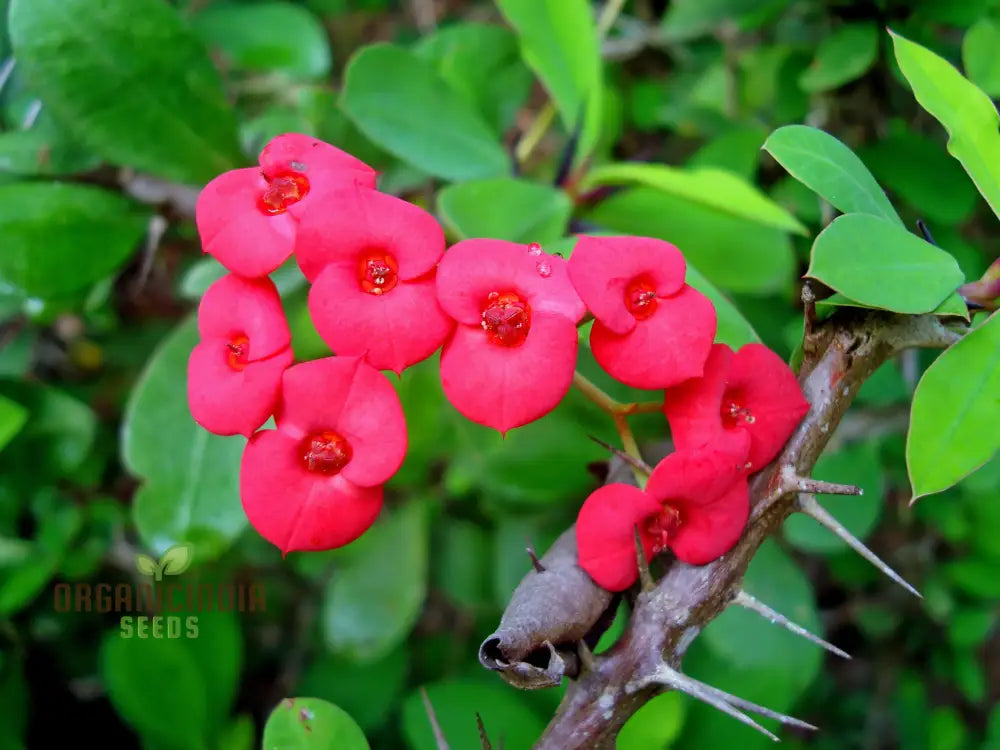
point(145, 564)
point(176, 560)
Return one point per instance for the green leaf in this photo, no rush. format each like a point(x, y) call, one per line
point(373, 600)
point(119, 71)
point(505, 209)
point(509, 721)
point(311, 724)
point(731, 327)
point(956, 408)
point(190, 491)
point(559, 42)
point(483, 64)
point(846, 54)
point(734, 254)
point(979, 46)
point(706, 186)
point(12, 419)
point(969, 116)
point(689, 18)
point(657, 724)
point(145, 565)
point(269, 37)
point(403, 105)
point(59, 238)
point(856, 464)
point(828, 167)
point(151, 682)
point(953, 306)
point(176, 560)
point(881, 264)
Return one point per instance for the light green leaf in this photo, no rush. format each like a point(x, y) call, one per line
point(953, 306)
point(656, 725)
point(969, 116)
point(979, 55)
point(271, 37)
point(706, 186)
point(841, 57)
point(731, 327)
point(176, 560)
point(59, 238)
point(403, 105)
point(146, 565)
point(955, 412)
point(131, 81)
point(882, 265)
point(828, 167)
point(506, 209)
point(311, 724)
point(12, 419)
point(190, 491)
point(374, 598)
point(559, 42)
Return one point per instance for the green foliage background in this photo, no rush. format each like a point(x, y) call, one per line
point(109, 108)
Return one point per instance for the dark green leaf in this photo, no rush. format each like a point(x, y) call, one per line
point(846, 54)
point(311, 724)
point(882, 265)
point(403, 105)
point(505, 209)
point(119, 71)
point(828, 167)
point(59, 238)
point(12, 419)
point(956, 408)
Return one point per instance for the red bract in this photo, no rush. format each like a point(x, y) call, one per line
point(651, 330)
point(235, 371)
point(371, 260)
point(247, 217)
point(513, 352)
point(696, 503)
point(751, 391)
point(315, 482)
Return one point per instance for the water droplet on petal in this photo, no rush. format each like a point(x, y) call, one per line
point(544, 269)
point(534, 249)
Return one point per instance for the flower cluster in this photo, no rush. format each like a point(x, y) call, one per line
point(385, 294)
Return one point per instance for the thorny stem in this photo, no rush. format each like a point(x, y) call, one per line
point(618, 413)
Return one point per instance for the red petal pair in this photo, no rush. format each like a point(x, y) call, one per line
point(696, 503)
point(512, 355)
point(752, 391)
point(247, 218)
point(651, 330)
point(315, 482)
point(235, 371)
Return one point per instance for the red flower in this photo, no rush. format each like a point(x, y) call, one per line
point(651, 330)
point(234, 373)
point(372, 261)
point(751, 391)
point(696, 503)
point(247, 217)
point(315, 482)
point(513, 352)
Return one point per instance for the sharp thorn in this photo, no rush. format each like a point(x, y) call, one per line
point(484, 739)
point(585, 654)
point(632, 461)
point(794, 483)
point(809, 506)
point(439, 740)
point(645, 577)
point(746, 600)
point(535, 562)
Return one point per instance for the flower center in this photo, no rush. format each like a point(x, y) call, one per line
point(326, 452)
point(284, 189)
point(640, 297)
point(238, 352)
point(734, 414)
point(377, 273)
point(664, 527)
point(506, 319)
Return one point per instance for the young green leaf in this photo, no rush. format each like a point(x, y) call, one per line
point(714, 188)
point(131, 81)
point(403, 105)
point(969, 116)
point(311, 724)
point(882, 265)
point(146, 565)
point(955, 412)
point(506, 209)
point(176, 560)
point(843, 56)
point(828, 167)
